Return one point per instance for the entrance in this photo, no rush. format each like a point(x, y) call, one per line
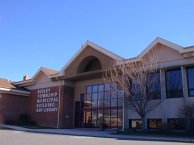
point(100, 105)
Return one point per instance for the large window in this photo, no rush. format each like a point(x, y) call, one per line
point(174, 84)
point(154, 123)
point(176, 123)
point(190, 79)
point(152, 85)
point(102, 102)
point(135, 123)
point(154, 88)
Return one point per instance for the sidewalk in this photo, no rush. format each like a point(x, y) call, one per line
point(96, 133)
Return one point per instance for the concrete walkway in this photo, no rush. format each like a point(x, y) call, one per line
point(96, 133)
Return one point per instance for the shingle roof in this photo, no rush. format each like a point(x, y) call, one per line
point(4, 83)
point(49, 71)
point(7, 84)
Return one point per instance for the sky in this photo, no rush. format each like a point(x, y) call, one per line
point(47, 33)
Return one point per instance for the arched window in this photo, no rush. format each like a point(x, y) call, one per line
point(90, 63)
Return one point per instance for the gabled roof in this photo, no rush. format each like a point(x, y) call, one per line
point(94, 46)
point(47, 71)
point(161, 41)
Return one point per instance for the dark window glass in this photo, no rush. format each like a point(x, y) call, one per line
point(107, 95)
point(190, 78)
point(82, 97)
point(113, 94)
point(107, 87)
point(192, 124)
point(135, 91)
point(107, 113)
point(191, 93)
point(88, 97)
point(94, 96)
point(114, 117)
point(121, 93)
point(94, 100)
point(101, 88)
point(106, 103)
point(102, 101)
point(114, 103)
point(101, 95)
point(153, 86)
point(95, 88)
point(154, 123)
point(174, 84)
point(89, 89)
point(120, 102)
point(120, 117)
point(107, 122)
point(176, 123)
point(94, 118)
point(114, 87)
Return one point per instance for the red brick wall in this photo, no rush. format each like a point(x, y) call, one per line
point(43, 106)
point(11, 106)
point(67, 107)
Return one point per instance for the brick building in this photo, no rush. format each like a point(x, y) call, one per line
point(77, 96)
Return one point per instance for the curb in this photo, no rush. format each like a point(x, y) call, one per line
point(100, 134)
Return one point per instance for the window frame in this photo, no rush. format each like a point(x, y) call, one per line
point(171, 70)
point(104, 100)
point(154, 119)
point(188, 88)
point(135, 120)
point(182, 125)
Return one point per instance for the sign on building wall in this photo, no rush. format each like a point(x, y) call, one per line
point(47, 100)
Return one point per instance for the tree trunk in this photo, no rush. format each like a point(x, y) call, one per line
point(144, 123)
point(188, 124)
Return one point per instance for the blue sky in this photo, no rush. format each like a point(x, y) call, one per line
point(35, 33)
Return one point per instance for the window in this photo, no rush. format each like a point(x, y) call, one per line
point(176, 123)
point(153, 85)
point(135, 123)
point(101, 101)
point(174, 84)
point(150, 83)
point(190, 79)
point(154, 123)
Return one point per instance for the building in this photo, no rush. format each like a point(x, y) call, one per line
point(77, 96)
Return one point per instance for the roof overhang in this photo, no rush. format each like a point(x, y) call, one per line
point(163, 42)
point(14, 91)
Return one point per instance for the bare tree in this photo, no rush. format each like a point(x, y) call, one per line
point(138, 83)
point(187, 112)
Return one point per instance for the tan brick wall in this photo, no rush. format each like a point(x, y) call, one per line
point(89, 51)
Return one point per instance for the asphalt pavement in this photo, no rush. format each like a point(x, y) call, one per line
point(101, 134)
